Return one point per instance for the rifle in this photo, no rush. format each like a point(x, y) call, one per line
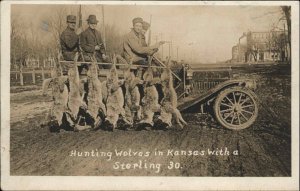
point(149, 34)
point(80, 26)
point(80, 18)
point(104, 44)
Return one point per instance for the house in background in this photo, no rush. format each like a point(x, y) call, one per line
point(262, 46)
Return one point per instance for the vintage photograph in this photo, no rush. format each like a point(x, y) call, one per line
point(150, 90)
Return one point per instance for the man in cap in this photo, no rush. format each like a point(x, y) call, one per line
point(91, 41)
point(69, 40)
point(133, 48)
point(145, 28)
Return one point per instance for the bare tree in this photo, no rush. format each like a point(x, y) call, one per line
point(285, 16)
point(114, 39)
point(287, 13)
point(43, 40)
point(278, 43)
point(57, 25)
point(19, 41)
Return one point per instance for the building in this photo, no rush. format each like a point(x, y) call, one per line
point(261, 46)
point(239, 53)
point(235, 53)
point(267, 46)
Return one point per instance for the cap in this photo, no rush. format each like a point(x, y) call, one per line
point(71, 19)
point(137, 20)
point(146, 25)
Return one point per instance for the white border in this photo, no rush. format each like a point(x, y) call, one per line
point(146, 183)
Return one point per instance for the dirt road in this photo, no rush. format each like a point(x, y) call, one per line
point(264, 149)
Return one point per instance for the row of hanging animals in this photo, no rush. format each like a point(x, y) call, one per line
point(102, 104)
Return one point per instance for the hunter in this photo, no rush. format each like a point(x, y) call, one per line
point(133, 48)
point(91, 42)
point(69, 40)
point(145, 28)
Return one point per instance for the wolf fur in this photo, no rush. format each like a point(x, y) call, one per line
point(150, 99)
point(115, 98)
point(75, 101)
point(94, 96)
point(169, 101)
point(59, 92)
point(132, 96)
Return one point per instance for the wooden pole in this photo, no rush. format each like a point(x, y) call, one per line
point(38, 62)
point(285, 44)
point(21, 76)
point(169, 50)
point(80, 17)
point(183, 81)
point(104, 40)
point(33, 75)
point(16, 72)
point(51, 69)
point(15, 63)
point(26, 61)
point(171, 56)
point(51, 63)
point(43, 74)
point(162, 47)
point(177, 54)
point(149, 34)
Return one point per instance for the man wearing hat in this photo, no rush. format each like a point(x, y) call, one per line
point(91, 41)
point(133, 48)
point(69, 40)
point(145, 28)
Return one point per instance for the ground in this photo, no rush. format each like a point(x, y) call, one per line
point(264, 149)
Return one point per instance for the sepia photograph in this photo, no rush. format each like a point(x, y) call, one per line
point(143, 90)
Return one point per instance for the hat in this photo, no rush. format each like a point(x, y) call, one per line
point(146, 25)
point(92, 19)
point(137, 20)
point(71, 19)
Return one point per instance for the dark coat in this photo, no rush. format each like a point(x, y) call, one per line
point(89, 39)
point(69, 42)
point(143, 40)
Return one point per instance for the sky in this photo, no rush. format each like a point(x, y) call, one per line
point(202, 33)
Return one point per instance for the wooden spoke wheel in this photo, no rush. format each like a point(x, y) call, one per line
point(236, 108)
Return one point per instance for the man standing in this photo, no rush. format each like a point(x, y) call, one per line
point(91, 41)
point(133, 48)
point(69, 40)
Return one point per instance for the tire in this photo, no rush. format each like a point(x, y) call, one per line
point(236, 108)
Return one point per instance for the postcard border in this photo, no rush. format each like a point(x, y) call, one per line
point(146, 183)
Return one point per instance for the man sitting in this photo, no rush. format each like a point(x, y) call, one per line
point(91, 42)
point(145, 28)
point(69, 40)
point(133, 48)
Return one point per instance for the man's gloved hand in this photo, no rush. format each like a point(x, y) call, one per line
point(97, 47)
point(78, 31)
point(104, 57)
point(162, 42)
point(157, 45)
